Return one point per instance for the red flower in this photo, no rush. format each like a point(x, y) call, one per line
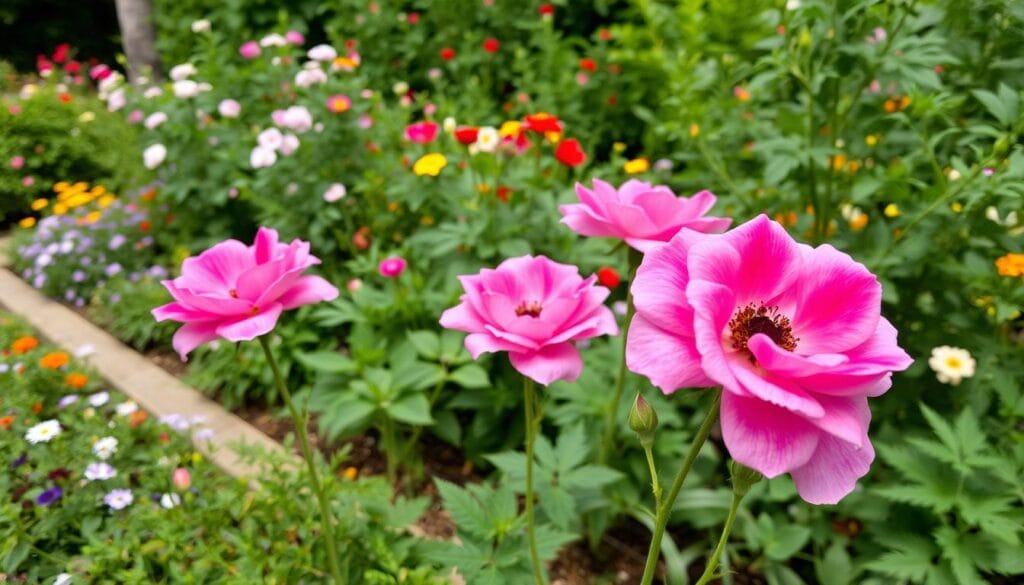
point(413, 17)
point(466, 134)
point(608, 277)
point(542, 123)
point(447, 54)
point(65, 98)
point(60, 54)
point(546, 9)
point(604, 34)
point(73, 67)
point(504, 193)
point(43, 64)
point(588, 64)
point(491, 45)
point(570, 153)
point(144, 226)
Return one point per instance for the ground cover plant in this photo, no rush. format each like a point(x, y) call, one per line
point(774, 212)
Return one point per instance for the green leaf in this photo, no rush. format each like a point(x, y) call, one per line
point(327, 361)
point(590, 477)
point(786, 541)
point(413, 409)
point(779, 574)
point(551, 540)
point(16, 556)
point(346, 417)
point(470, 376)
point(835, 567)
point(572, 448)
point(467, 513)
point(559, 507)
point(910, 557)
point(427, 343)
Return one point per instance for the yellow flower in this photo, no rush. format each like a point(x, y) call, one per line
point(891, 210)
point(871, 139)
point(105, 201)
point(637, 166)
point(956, 206)
point(92, 217)
point(694, 130)
point(39, 204)
point(553, 137)
point(60, 186)
point(60, 209)
point(510, 128)
point(859, 222)
point(427, 220)
point(78, 200)
point(86, 117)
point(98, 190)
point(1011, 265)
point(619, 146)
point(430, 164)
point(27, 222)
point(838, 161)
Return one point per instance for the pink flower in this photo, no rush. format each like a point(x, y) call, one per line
point(534, 309)
point(794, 336)
point(28, 181)
point(295, 37)
point(392, 267)
point(229, 108)
point(237, 292)
point(17, 161)
point(250, 50)
point(421, 132)
point(642, 214)
point(181, 478)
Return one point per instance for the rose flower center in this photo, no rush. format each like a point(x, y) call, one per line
point(753, 319)
point(532, 308)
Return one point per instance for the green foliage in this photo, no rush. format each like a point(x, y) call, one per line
point(124, 308)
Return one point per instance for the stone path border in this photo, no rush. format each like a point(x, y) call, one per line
point(131, 373)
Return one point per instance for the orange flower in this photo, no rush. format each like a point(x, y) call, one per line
point(54, 360)
point(896, 104)
point(1011, 265)
point(76, 380)
point(6, 422)
point(24, 344)
point(37, 407)
point(137, 418)
point(542, 123)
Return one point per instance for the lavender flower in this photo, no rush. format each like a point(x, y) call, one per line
point(67, 401)
point(119, 499)
point(49, 496)
point(99, 471)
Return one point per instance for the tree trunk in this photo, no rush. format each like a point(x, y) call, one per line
point(139, 38)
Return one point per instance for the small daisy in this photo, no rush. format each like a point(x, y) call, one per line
point(99, 472)
point(99, 399)
point(951, 364)
point(105, 447)
point(43, 432)
point(487, 139)
point(62, 579)
point(126, 408)
point(118, 499)
point(170, 501)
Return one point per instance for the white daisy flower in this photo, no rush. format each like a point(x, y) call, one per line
point(951, 364)
point(126, 408)
point(43, 432)
point(99, 399)
point(105, 447)
point(487, 139)
point(99, 472)
point(170, 501)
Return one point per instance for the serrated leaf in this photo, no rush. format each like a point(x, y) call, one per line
point(551, 540)
point(590, 477)
point(467, 513)
point(470, 376)
point(571, 448)
point(413, 409)
point(327, 361)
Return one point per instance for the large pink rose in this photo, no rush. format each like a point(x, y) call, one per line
point(237, 292)
point(794, 336)
point(642, 214)
point(534, 309)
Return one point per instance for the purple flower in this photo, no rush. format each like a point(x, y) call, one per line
point(99, 471)
point(119, 499)
point(117, 241)
point(67, 401)
point(78, 276)
point(113, 269)
point(19, 461)
point(49, 496)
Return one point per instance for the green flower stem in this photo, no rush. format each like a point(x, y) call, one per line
point(655, 485)
point(531, 432)
point(608, 439)
point(300, 420)
point(664, 509)
point(390, 449)
point(709, 572)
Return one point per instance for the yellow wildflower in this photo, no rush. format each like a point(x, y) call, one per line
point(92, 217)
point(39, 204)
point(430, 164)
point(553, 137)
point(891, 210)
point(1011, 265)
point(27, 222)
point(637, 166)
point(86, 117)
point(619, 146)
point(694, 130)
point(60, 209)
point(98, 190)
point(871, 139)
point(956, 206)
point(60, 186)
point(510, 128)
point(105, 201)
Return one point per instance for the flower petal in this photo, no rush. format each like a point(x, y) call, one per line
point(251, 327)
point(308, 290)
point(770, 260)
point(192, 335)
point(833, 470)
point(669, 360)
point(764, 437)
point(549, 364)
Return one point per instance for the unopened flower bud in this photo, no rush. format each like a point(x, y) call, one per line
point(181, 478)
point(642, 419)
point(743, 478)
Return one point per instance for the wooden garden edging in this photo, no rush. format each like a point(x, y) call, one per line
point(127, 371)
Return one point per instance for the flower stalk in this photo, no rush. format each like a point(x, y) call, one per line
point(300, 418)
point(532, 420)
point(608, 439)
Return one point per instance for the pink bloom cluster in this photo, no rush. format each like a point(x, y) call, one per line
point(237, 292)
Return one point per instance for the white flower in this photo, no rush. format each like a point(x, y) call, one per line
point(322, 53)
point(335, 192)
point(183, 71)
point(154, 120)
point(106, 85)
point(154, 155)
point(99, 472)
point(43, 432)
point(449, 125)
point(792, 4)
point(201, 26)
point(400, 88)
point(152, 92)
point(229, 108)
point(85, 350)
point(170, 501)
point(105, 448)
point(951, 364)
point(953, 174)
point(270, 138)
point(261, 156)
point(289, 144)
point(126, 408)
point(99, 399)
point(62, 579)
point(297, 118)
point(116, 100)
point(310, 77)
point(273, 40)
point(119, 499)
point(186, 88)
point(487, 139)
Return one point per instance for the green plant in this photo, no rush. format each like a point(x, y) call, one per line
point(123, 307)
